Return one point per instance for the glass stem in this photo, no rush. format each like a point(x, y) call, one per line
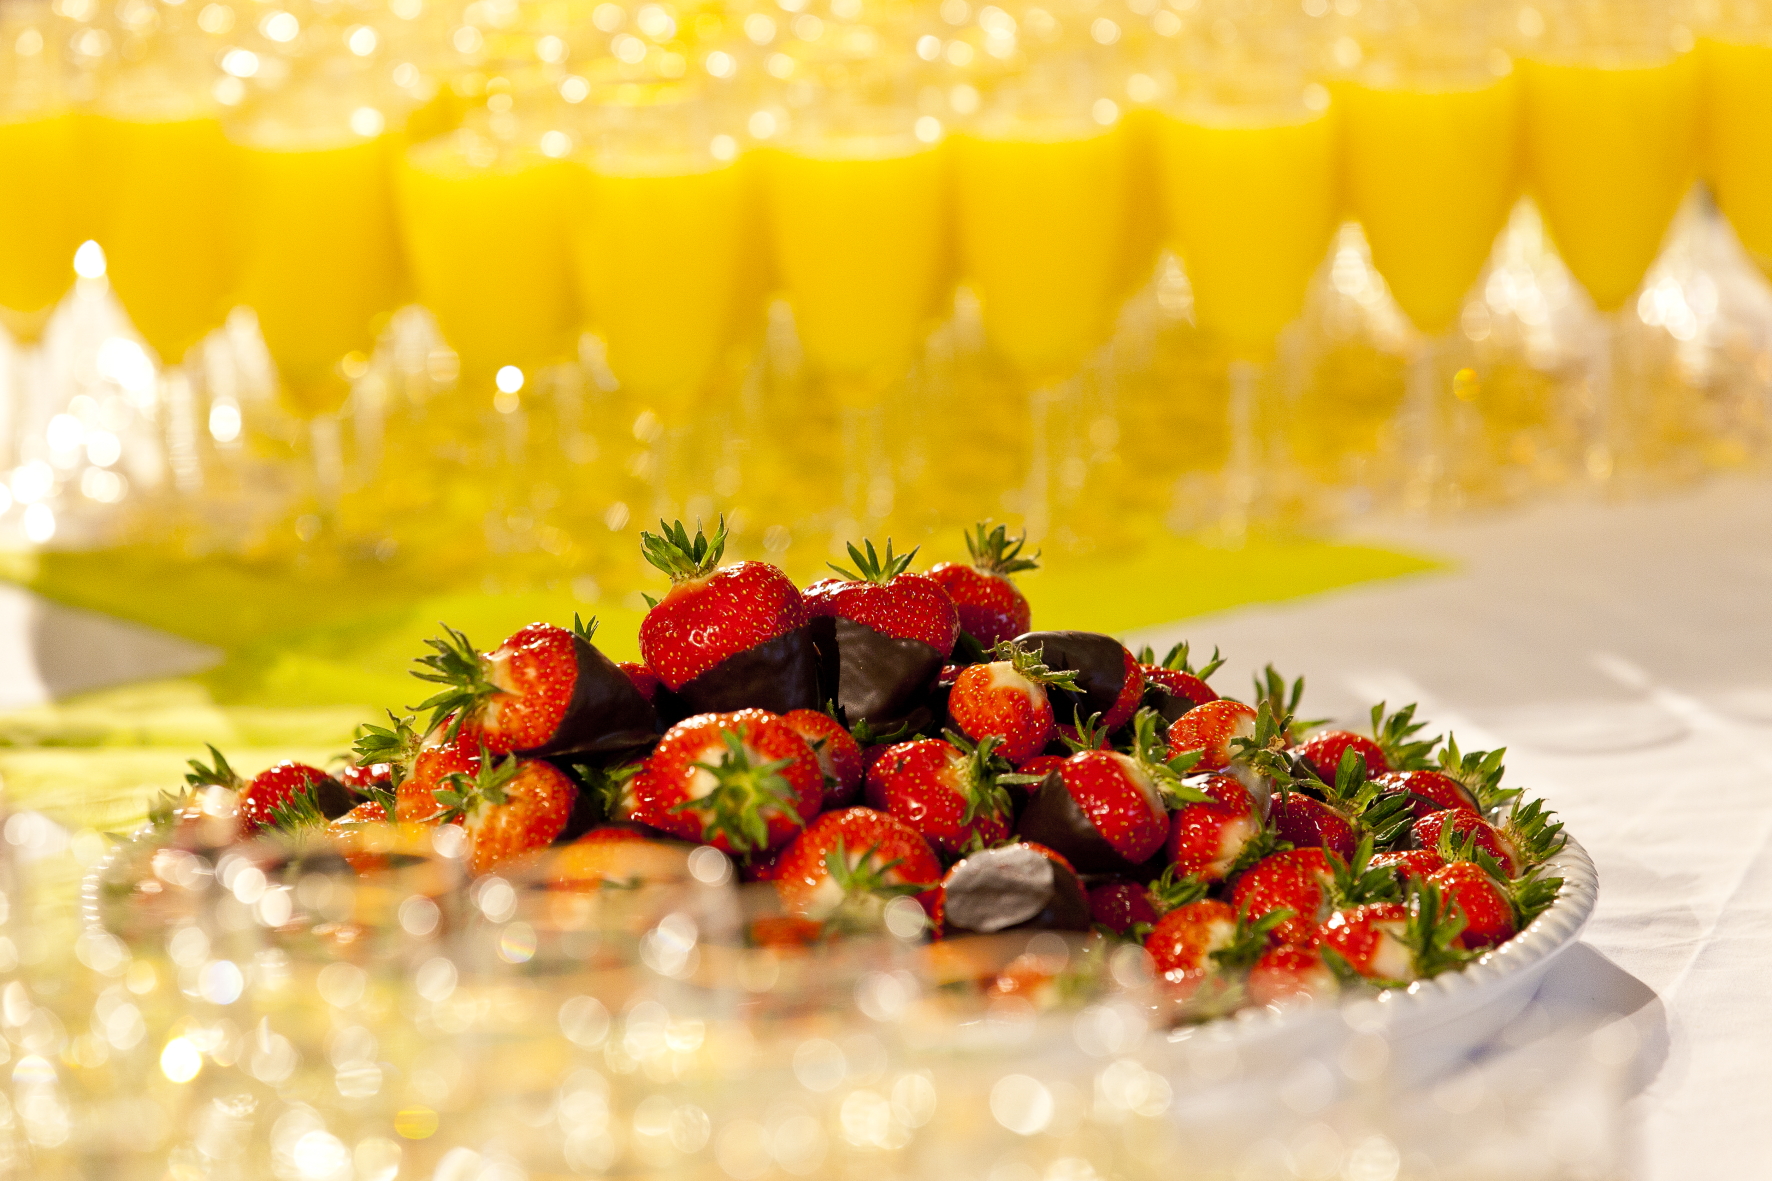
point(1242, 480)
point(1424, 468)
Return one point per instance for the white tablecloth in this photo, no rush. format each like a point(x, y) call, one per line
point(1622, 653)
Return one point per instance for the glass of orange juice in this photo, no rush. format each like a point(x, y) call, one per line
point(1735, 56)
point(1247, 151)
point(667, 236)
point(1610, 98)
point(41, 145)
point(1430, 158)
point(319, 256)
point(1043, 165)
point(856, 168)
point(167, 200)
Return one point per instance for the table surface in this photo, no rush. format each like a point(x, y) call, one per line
point(1623, 655)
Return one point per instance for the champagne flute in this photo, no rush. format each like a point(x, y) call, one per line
point(856, 180)
point(1430, 133)
point(1610, 106)
point(40, 228)
point(1043, 173)
point(168, 200)
point(319, 256)
point(1249, 172)
point(668, 238)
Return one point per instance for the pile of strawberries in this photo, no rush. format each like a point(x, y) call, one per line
point(885, 734)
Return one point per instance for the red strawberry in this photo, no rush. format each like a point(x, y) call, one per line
point(1322, 753)
point(743, 782)
point(838, 755)
point(1122, 907)
point(268, 800)
point(948, 794)
point(1394, 943)
point(1107, 681)
point(347, 834)
point(1429, 791)
point(544, 691)
point(1443, 831)
point(1207, 942)
point(990, 609)
point(510, 807)
point(1208, 837)
point(1209, 729)
point(882, 595)
point(1373, 941)
point(1182, 943)
point(1409, 864)
point(1105, 810)
point(360, 779)
point(287, 796)
point(846, 864)
point(1393, 746)
point(750, 613)
point(1305, 822)
point(1040, 765)
point(1290, 973)
point(1488, 910)
point(1116, 796)
point(436, 760)
point(1297, 880)
point(644, 679)
point(1173, 686)
point(1006, 700)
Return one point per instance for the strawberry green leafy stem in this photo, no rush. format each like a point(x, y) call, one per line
point(1030, 664)
point(458, 666)
point(994, 552)
point(872, 567)
point(742, 789)
point(674, 552)
point(460, 794)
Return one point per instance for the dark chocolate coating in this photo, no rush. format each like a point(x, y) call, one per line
point(880, 680)
point(333, 798)
point(605, 713)
point(1053, 819)
point(1013, 886)
point(1169, 706)
point(1100, 665)
point(779, 676)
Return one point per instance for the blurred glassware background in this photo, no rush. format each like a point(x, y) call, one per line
point(470, 286)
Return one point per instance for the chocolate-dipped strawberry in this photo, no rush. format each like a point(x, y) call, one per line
point(1173, 686)
point(1011, 886)
point(725, 637)
point(991, 609)
point(1106, 811)
point(546, 691)
point(1108, 679)
point(883, 635)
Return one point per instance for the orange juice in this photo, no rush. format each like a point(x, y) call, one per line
point(859, 232)
point(1738, 138)
point(39, 223)
point(663, 246)
point(166, 224)
point(1431, 172)
point(1043, 224)
point(485, 234)
point(1610, 153)
point(320, 262)
point(1250, 194)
